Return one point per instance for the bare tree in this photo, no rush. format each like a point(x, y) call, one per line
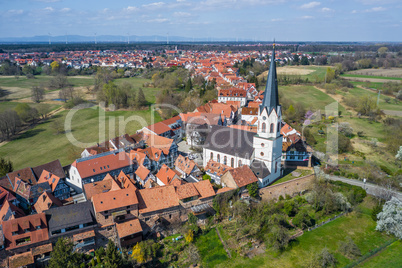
point(9, 123)
point(38, 93)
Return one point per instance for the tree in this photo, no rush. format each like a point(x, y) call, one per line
point(63, 255)
point(344, 144)
point(193, 256)
point(55, 66)
point(398, 155)
point(278, 237)
point(9, 123)
point(58, 126)
point(6, 166)
point(138, 253)
point(253, 189)
point(366, 105)
point(192, 219)
point(390, 219)
point(304, 61)
point(38, 93)
point(24, 111)
point(349, 248)
point(329, 75)
point(112, 257)
point(382, 51)
point(296, 59)
point(189, 85)
point(43, 110)
point(303, 219)
point(141, 101)
point(189, 236)
point(326, 259)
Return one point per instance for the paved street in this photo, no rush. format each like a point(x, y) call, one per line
point(372, 189)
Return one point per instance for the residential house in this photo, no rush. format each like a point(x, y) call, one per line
point(188, 168)
point(95, 168)
point(129, 233)
point(46, 201)
point(9, 211)
point(238, 177)
point(216, 170)
point(58, 186)
point(143, 174)
point(166, 176)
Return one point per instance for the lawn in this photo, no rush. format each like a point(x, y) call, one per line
point(309, 96)
point(388, 257)
point(40, 144)
point(24, 82)
point(371, 76)
point(318, 75)
point(137, 83)
point(357, 225)
point(358, 92)
point(11, 105)
point(211, 249)
point(288, 175)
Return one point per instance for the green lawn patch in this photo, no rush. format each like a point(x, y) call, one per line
point(136, 82)
point(24, 82)
point(389, 257)
point(40, 144)
point(288, 175)
point(211, 249)
point(371, 76)
point(357, 225)
point(6, 105)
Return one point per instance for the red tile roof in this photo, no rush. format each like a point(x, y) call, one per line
point(184, 164)
point(142, 172)
point(114, 199)
point(186, 190)
point(204, 188)
point(10, 211)
point(128, 228)
point(243, 176)
point(217, 168)
point(166, 175)
point(21, 260)
point(46, 201)
point(51, 178)
point(98, 187)
point(158, 198)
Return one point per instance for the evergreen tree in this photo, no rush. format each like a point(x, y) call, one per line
point(5, 166)
point(112, 258)
point(63, 255)
point(141, 101)
point(189, 85)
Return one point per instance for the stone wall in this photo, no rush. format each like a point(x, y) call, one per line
point(287, 188)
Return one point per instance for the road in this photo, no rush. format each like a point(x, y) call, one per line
point(370, 188)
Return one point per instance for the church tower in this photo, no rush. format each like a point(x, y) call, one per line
point(268, 141)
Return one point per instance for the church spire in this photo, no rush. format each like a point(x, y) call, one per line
point(271, 100)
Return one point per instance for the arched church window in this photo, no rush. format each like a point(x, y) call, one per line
point(232, 162)
point(218, 158)
point(271, 128)
point(212, 155)
point(225, 160)
point(264, 127)
point(239, 164)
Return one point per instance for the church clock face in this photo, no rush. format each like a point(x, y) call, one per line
point(264, 118)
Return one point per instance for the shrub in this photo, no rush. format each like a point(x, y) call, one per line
point(390, 219)
point(349, 248)
point(337, 173)
point(386, 169)
point(281, 198)
point(360, 133)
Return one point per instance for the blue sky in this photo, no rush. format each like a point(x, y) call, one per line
point(285, 20)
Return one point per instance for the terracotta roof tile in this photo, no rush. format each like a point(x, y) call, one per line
point(166, 175)
point(243, 176)
point(186, 190)
point(47, 201)
point(98, 187)
point(20, 260)
point(184, 164)
point(158, 198)
point(128, 228)
point(114, 199)
point(216, 168)
point(204, 188)
point(142, 172)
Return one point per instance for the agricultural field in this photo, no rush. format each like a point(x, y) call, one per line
point(358, 225)
point(388, 257)
point(381, 72)
point(313, 73)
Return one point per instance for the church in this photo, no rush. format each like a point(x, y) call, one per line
point(262, 150)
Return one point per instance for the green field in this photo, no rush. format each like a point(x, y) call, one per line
point(149, 92)
point(288, 175)
point(371, 76)
point(388, 257)
point(309, 96)
point(357, 225)
point(318, 75)
point(211, 249)
point(358, 92)
point(40, 144)
point(11, 105)
point(24, 82)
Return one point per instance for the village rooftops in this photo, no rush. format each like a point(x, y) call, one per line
point(46, 201)
point(243, 176)
point(216, 168)
point(9, 211)
point(157, 199)
point(114, 199)
point(128, 228)
point(98, 187)
point(101, 163)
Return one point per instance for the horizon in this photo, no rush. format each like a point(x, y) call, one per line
point(256, 20)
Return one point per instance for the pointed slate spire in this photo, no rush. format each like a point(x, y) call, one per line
point(271, 100)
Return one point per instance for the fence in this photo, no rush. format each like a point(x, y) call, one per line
point(325, 222)
point(370, 253)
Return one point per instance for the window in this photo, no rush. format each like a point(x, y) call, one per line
point(264, 127)
point(106, 217)
point(262, 153)
point(218, 158)
point(232, 162)
point(212, 155)
point(276, 168)
point(271, 128)
point(279, 127)
point(225, 160)
point(239, 164)
point(262, 144)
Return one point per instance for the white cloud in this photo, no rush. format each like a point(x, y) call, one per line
point(49, 9)
point(180, 1)
point(273, 20)
point(154, 5)
point(66, 9)
point(326, 9)
point(130, 9)
point(354, 11)
point(159, 20)
point(15, 11)
point(310, 5)
point(306, 17)
point(182, 14)
point(375, 9)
